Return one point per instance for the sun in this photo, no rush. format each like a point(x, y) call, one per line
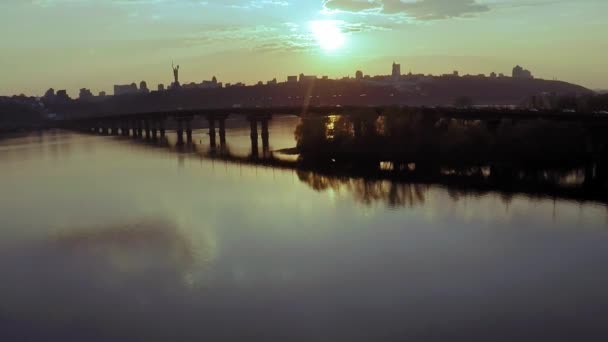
point(328, 34)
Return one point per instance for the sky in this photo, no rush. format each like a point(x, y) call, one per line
point(73, 44)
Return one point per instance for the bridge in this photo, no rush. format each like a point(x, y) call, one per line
point(152, 124)
point(507, 182)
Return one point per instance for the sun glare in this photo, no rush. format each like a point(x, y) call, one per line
point(328, 34)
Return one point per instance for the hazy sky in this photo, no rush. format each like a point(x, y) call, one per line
point(70, 44)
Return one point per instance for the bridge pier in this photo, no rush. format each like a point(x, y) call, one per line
point(254, 137)
point(180, 132)
point(265, 137)
point(212, 142)
point(154, 129)
point(188, 125)
point(124, 128)
point(139, 128)
point(161, 128)
point(114, 128)
point(222, 124)
point(147, 128)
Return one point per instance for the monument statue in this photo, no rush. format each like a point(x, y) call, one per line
point(175, 74)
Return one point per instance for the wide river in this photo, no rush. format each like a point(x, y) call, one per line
point(110, 239)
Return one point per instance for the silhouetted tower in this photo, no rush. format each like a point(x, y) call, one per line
point(143, 87)
point(396, 70)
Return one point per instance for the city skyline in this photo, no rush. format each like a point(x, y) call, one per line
point(132, 87)
point(62, 45)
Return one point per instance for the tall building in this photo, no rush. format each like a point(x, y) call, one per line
point(143, 87)
point(396, 70)
point(519, 72)
point(359, 75)
point(85, 94)
point(125, 89)
point(306, 78)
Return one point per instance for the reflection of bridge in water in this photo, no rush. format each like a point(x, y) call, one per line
point(371, 181)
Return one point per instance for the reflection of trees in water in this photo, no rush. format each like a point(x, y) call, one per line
point(393, 194)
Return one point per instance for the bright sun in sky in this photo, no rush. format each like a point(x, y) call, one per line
point(328, 34)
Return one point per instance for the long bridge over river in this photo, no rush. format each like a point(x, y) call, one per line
point(151, 128)
point(151, 124)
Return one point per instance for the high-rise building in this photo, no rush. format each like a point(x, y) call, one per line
point(307, 78)
point(396, 70)
point(125, 89)
point(519, 72)
point(359, 75)
point(85, 94)
point(143, 87)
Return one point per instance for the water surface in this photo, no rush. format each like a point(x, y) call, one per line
point(109, 239)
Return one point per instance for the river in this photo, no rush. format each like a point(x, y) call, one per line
point(109, 239)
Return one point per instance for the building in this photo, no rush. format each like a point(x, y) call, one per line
point(306, 78)
point(102, 94)
point(519, 72)
point(85, 94)
point(292, 79)
point(125, 89)
point(213, 84)
point(143, 87)
point(359, 75)
point(161, 87)
point(396, 70)
point(272, 82)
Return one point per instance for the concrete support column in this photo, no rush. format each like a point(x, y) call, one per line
point(139, 128)
point(161, 127)
point(265, 137)
point(154, 129)
point(147, 128)
point(180, 131)
point(212, 142)
point(254, 137)
point(188, 126)
point(222, 124)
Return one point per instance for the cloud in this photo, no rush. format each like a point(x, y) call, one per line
point(418, 9)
